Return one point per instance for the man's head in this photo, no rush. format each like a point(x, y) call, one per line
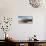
point(34, 35)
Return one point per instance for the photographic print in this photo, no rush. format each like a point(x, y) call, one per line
point(25, 19)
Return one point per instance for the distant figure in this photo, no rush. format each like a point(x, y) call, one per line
point(35, 38)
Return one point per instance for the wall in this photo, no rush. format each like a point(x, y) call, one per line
point(45, 28)
point(13, 8)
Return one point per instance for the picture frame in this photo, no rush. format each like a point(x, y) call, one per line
point(25, 19)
